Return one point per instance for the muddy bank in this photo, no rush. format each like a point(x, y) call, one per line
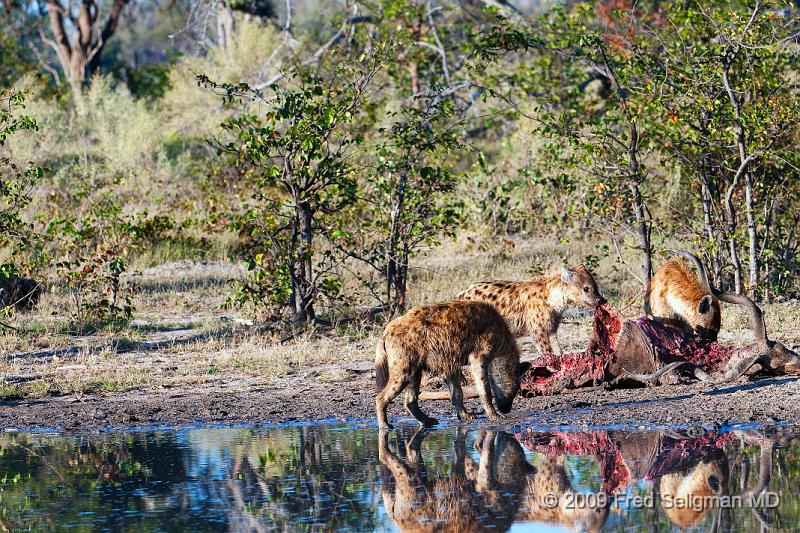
point(295, 400)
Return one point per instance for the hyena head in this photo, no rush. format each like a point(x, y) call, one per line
point(580, 287)
point(504, 376)
point(705, 481)
point(707, 319)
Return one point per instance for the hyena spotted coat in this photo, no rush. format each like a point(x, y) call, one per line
point(439, 339)
point(535, 307)
point(677, 298)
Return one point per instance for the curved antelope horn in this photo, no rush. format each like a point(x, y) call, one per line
point(764, 470)
point(756, 316)
point(735, 370)
point(644, 378)
point(701, 269)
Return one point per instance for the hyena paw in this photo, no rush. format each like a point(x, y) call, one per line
point(466, 417)
point(428, 422)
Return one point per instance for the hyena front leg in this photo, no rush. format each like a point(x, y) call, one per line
point(412, 404)
point(542, 341)
point(555, 347)
point(486, 480)
point(480, 374)
point(457, 396)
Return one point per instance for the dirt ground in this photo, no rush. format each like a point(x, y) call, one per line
point(184, 359)
point(297, 400)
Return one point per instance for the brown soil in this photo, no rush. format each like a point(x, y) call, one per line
point(297, 400)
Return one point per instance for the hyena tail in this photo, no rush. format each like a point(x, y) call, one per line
point(381, 366)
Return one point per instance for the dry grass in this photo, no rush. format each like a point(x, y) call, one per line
point(182, 337)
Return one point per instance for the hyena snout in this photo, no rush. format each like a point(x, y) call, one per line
point(505, 388)
point(706, 333)
point(591, 298)
point(582, 286)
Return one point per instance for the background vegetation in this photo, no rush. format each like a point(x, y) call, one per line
point(330, 148)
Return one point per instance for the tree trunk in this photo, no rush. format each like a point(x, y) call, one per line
point(82, 56)
point(752, 236)
point(225, 28)
point(304, 299)
point(644, 229)
point(730, 223)
point(744, 167)
point(735, 261)
point(642, 222)
point(709, 230)
point(395, 277)
point(707, 195)
point(401, 282)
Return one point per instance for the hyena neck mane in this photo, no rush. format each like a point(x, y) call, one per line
point(558, 295)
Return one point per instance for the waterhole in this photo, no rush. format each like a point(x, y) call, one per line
point(351, 477)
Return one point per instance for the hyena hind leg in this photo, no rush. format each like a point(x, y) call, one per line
point(392, 390)
point(412, 403)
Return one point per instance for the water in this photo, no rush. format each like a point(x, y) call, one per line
point(330, 477)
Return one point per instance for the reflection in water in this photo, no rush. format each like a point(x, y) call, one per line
point(353, 478)
point(473, 495)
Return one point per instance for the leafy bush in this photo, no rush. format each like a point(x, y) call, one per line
point(299, 151)
point(92, 263)
point(16, 183)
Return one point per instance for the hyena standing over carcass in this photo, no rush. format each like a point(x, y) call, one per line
point(535, 306)
point(440, 339)
point(677, 298)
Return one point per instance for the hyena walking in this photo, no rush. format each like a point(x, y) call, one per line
point(440, 339)
point(535, 307)
point(677, 298)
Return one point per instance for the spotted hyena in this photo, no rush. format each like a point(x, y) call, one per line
point(439, 339)
point(677, 298)
point(535, 307)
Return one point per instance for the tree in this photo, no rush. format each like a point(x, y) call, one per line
point(408, 195)
point(78, 37)
point(408, 190)
point(706, 90)
point(595, 136)
point(725, 87)
point(299, 155)
point(15, 182)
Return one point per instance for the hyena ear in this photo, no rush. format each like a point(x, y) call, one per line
point(524, 367)
point(705, 304)
point(566, 274)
